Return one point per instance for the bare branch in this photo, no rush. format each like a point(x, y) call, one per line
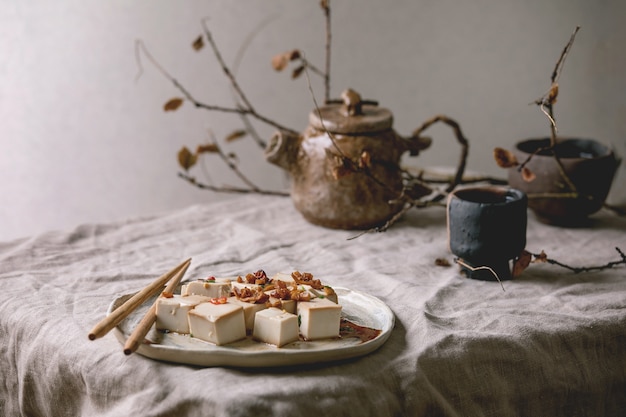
point(228, 161)
point(236, 63)
point(542, 258)
point(326, 6)
point(559, 64)
point(140, 48)
point(462, 141)
point(227, 189)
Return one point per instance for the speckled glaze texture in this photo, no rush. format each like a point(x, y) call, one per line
point(590, 165)
point(354, 199)
point(487, 228)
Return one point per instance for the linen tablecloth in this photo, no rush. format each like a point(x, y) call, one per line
point(552, 343)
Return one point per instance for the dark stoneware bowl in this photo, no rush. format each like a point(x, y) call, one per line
point(590, 166)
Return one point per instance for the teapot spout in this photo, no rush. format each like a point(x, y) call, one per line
point(282, 150)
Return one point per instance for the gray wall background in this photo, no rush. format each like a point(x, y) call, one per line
point(82, 140)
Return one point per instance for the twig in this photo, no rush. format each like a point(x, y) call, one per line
point(462, 141)
point(479, 268)
point(237, 61)
point(542, 258)
point(326, 6)
point(546, 104)
point(410, 204)
point(228, 161)
point(227, 189)
point(422, 176)
point(319, 114)
point(140, 47)
point(229, 74)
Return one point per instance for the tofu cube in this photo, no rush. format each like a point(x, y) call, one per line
point(319, 318)
point(330, 295)
point(249, 311)
point(241, 285)
point(220, 287)
point(288, 305)
point(276, 327)
point(171, 313)
point(284, 277)
point(217, 323)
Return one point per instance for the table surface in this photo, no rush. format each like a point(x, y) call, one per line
point(551, 343)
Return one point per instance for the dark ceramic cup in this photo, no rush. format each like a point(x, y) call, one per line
point(487, 228)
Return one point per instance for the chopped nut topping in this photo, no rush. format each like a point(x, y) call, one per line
point(282, 292)
point(249, 295)
point(258, 278)
point(306, 278)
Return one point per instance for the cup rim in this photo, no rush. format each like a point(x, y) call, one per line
point(493, 195)
point(593, 147)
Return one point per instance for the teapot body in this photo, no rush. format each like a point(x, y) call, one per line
point(345, 166)
point(329, 194)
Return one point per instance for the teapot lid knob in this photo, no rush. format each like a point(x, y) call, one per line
point(351, 115)
point(352, 103)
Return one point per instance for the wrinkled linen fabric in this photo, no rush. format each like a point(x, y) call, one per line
point(552, 343)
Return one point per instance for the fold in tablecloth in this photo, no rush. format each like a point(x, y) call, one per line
point(552, 344)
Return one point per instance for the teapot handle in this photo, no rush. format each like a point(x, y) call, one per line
point(416, 143)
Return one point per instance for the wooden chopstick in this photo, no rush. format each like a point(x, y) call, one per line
point(137, 336)
point(132, 303)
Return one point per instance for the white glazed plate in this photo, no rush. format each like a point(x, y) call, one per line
point(357, 307)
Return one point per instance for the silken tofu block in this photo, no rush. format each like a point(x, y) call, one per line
point(249, 311)
point(171, 313)
point(319, 318)
point(284, 277)
point(217, 323)
point(288, 305)
point(320, 293)
point(220, 287)
point(276, 327)
point(241, 285)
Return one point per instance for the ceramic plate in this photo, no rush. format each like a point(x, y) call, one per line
point(357, 307)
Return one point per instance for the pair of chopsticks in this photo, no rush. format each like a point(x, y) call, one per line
point(172, 279)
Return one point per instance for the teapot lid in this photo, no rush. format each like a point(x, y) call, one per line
point(351, 115)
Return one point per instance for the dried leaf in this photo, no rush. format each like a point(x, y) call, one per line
point(521, 263)
point(542, 257)
point(293, 54)
point(237, 134)
point(528, 175)
point(279, 62)
point(186, 159)
point(341, 171)
point(208, 148)
point(297, 72)
point(442, 262)
point(198, 44)
point(173, 104)
point(553, 94)
point(504, 158)
point(365, 161)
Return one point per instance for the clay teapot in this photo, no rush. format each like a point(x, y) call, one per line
point(345, 165)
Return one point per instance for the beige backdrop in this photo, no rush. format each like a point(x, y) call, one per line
point(82, 140)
